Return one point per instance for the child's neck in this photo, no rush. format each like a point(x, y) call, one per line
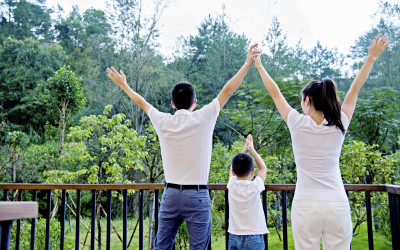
point(246, 178)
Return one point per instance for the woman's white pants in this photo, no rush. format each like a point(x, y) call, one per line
point(330, 220)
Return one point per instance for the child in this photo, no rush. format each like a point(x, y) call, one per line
point(246, 217)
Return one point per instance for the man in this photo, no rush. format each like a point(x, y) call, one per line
point(186, 144)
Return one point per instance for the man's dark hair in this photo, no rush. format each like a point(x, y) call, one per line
point(183, 95)
point(242, 164)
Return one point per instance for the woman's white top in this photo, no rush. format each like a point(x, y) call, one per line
point(316, 151)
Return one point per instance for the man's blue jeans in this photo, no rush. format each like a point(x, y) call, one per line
point(246, 242)
point(190, 205)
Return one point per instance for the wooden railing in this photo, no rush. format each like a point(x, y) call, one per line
point(393, 194)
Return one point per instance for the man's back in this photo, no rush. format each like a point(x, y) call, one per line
point(186, 142)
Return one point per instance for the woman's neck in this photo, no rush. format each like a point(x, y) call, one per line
point(317, 116)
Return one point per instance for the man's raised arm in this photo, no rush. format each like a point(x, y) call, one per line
point(234, 83)
point(120, 80)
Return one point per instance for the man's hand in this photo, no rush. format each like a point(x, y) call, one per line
point(118, 78)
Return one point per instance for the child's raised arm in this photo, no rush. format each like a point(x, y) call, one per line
point(249, 147)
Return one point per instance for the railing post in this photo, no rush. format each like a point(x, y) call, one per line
point(264, 204)
point(369, 220)
point(77, 218)
point(124, 219)
point(5, 195)
point(141, 219)
point(47, 241)
point(226, 220)
point(62, 231)
point(284, 217)
point(18, 236)
point(93, 223)
point(108, 244)
point(395, 220)
point(33, 224)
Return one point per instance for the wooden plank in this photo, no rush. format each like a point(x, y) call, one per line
point(13, 210)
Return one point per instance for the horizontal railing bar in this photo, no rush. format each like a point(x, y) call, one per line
point(150, 186)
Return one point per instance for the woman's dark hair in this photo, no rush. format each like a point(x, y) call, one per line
point(242, 164)
point(183, 95)
point(323, 95)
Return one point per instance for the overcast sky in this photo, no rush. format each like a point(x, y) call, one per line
point(335, 23)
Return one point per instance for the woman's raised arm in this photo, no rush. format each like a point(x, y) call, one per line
point(375, 50)
point(280, 102)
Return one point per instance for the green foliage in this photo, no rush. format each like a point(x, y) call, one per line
point(100, 150)
point(24, 67)
point(375, 121)
point(22, 19)
point(256, 114)
point(64, 88)
point(40, 235)
point(363, 164)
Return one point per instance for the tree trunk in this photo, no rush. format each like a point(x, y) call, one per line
point(62, 124)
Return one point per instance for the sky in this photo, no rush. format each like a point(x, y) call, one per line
point(335, 23)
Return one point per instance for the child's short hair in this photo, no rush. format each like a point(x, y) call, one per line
point(242, 164)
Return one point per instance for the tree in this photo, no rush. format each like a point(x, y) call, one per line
point(376, 120)
point(101, 150)
point(280, 59)
point(22, 19)
point(25, 66)
point(64, 96)
point(135, 33)
point(324, 63)
point(213, 56)
point(70, 33)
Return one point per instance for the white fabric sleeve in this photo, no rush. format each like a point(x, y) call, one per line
point(292, 117)
point(230, 182)
point(259, 184)
point(211, 110)
point(345, 120)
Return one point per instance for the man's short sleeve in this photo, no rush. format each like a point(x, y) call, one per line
point(211, 110)
point(155, 117)
point(259, 184)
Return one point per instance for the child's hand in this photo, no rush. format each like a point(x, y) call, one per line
point(248, 145)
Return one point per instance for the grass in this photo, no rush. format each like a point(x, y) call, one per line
point(359, 242)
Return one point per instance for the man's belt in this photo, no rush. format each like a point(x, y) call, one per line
point(171, 185)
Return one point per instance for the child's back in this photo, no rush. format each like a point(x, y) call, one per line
point(246, 216)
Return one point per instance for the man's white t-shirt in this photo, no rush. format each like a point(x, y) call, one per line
point(316, 151)
point(246, 215)
point(186, 142)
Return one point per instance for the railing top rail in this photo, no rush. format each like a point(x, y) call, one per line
point(148, 186)
point(393, 189)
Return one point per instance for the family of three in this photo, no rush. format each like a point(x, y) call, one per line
point(320, 207)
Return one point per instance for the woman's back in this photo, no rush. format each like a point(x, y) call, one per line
point(317, 151)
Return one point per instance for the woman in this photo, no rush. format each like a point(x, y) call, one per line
point(320, 206)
